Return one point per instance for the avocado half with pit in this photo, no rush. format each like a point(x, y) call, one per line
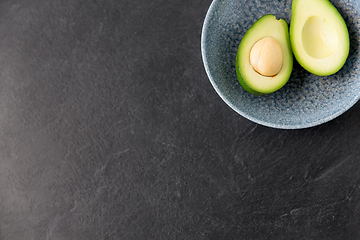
point(264, 59)
point(319, 36)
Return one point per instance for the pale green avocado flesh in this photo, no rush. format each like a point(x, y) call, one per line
point(319, 36)
point(252, 81)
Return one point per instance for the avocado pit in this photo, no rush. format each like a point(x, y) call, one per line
point(266, 57)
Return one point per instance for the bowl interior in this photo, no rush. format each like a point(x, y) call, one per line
point(306, 100)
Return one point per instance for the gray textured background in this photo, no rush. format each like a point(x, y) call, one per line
point(110, 129)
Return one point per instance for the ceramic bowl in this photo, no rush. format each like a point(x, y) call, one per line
point(306, 100)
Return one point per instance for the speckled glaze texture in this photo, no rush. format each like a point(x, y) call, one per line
point(306, 100)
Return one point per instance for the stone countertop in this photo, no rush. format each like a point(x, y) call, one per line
point(110, 129)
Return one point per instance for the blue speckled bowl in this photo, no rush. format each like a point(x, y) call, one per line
point(306, 100)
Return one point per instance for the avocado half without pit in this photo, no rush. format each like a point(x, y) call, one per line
point(264, 59)
point(319, 36)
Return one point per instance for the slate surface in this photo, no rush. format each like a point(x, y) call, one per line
point(110, 129)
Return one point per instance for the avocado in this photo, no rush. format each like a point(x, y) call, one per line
point(319, 36)
point(264, 59)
